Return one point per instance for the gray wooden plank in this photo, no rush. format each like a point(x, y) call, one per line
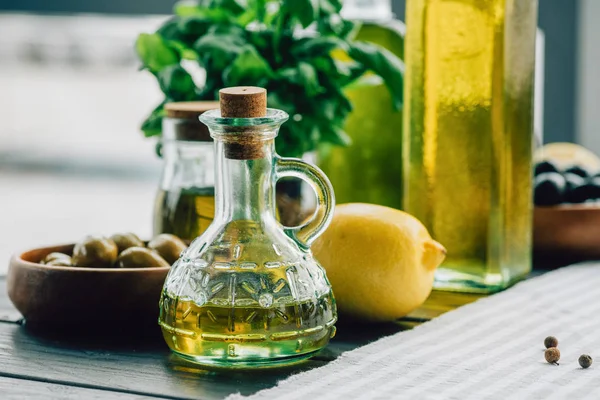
point(350, 335)
point(146, 368)
point(12, 388)
point(349, 338)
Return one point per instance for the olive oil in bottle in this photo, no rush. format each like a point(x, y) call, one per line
point(247, 299)
point(263, 331)
point(184, 212)
point(468, 132)
point(184, 204)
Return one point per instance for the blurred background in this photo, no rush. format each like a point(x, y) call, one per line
point(72, 158)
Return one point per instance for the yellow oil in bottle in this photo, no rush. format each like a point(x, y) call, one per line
point(468, 134)
point(184, 212)
point(248, 300)
point(229, 333)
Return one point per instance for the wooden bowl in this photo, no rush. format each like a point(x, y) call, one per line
point(83, 297)
point(567, 230)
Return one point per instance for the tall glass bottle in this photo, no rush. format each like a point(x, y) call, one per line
point(468, 121)
point(373, 160)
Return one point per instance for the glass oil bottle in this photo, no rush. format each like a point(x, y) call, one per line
point(247, 292)
point(185, 204)
point(468, 133)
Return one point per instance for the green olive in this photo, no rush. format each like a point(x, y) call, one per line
point(61, 262)
point(168, 246)
point(95, 252)
point(55, 256)
point(140, 257)
point(126, 240)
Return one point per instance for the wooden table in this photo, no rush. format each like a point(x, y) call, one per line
point(44, 366)
point(77, 366)
point(54, 366)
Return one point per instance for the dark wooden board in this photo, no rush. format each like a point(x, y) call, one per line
point(139, 363)
point(11, 388)
point(350, 335)
point(146, 368)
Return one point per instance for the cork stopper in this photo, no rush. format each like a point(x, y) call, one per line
point(187, 127)
point(244, 102)
point(189, 109)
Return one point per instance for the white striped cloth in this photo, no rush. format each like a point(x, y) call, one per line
point(490, 349)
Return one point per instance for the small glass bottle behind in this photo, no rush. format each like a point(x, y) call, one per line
point(185, 204)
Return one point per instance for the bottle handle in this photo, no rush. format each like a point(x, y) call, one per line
point(306, 233)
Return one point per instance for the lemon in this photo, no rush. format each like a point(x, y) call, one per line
point(380, 261)
point(564, 155)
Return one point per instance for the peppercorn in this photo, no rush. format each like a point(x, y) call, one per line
point(585, 361)
point(552, 355)
point(550, 341)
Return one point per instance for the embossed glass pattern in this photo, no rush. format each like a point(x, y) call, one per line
point(248, 292)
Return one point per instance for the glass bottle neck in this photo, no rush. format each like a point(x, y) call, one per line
point(245, 189)
point(187, 165)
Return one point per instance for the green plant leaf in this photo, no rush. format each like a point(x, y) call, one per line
point(337, 73)
point(194, 26)
point(259, 8)
point(154, 52)
point(383, 63)
point(185, 53)
point(182, 30)
point(317, 46)
point(210, 91)
point(253, 42)
point(219, 50)
point(169, 30)
point(248, 68)
point(330, 6)
point(213, 9)
point(186, 8)
point(305, 76)
point(233, 6)
point(297, 140)
point(275, 100)
point(176, 83)
point(335, 25)
point(334, 134)
point(262, 40)
point(337, 99)
point(305, 11)
point(152, 126)
point(227, 29)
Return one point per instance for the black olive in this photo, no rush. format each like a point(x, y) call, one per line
point(578, 170)
point(544, 166)
point(590, 190)
point(549, 189)
point(573, 182)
